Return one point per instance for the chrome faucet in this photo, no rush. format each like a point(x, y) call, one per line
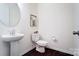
point(12, 32)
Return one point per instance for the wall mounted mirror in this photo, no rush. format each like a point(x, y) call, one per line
point(9, 14)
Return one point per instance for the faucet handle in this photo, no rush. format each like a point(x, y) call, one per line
point(12, 32)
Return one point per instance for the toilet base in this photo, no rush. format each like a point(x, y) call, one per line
point(40, 49)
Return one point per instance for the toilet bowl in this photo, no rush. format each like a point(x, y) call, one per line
point(40, 44)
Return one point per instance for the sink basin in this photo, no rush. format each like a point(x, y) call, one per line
point(15, 37)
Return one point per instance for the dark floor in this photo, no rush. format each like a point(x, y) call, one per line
point(48, 52)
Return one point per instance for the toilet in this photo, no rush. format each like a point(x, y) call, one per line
point(40, 44)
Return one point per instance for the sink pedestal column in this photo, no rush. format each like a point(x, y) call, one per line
point(14, 48)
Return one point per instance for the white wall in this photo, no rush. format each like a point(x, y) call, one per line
point(24, 27)
point(33, 7)
point(76, 28)
point(4, 47)
point(57, 20)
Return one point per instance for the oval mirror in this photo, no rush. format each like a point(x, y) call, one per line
point(9, 14)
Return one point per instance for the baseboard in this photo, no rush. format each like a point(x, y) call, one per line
point(57, 49)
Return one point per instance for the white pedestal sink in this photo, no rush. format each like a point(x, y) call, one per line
point(14, 37)
point(13, 40)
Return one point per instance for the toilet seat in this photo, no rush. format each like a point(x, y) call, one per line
point(42, 43)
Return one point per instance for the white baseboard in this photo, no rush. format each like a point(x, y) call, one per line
point(61, 50)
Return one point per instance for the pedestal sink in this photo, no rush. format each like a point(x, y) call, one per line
point(14, 37)
point(13, 40)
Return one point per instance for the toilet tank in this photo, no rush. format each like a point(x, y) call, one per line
point(35, 37)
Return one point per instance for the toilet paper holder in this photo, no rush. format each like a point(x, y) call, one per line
point(76, 33)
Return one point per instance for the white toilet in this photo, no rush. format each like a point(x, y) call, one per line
point(40, 44)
